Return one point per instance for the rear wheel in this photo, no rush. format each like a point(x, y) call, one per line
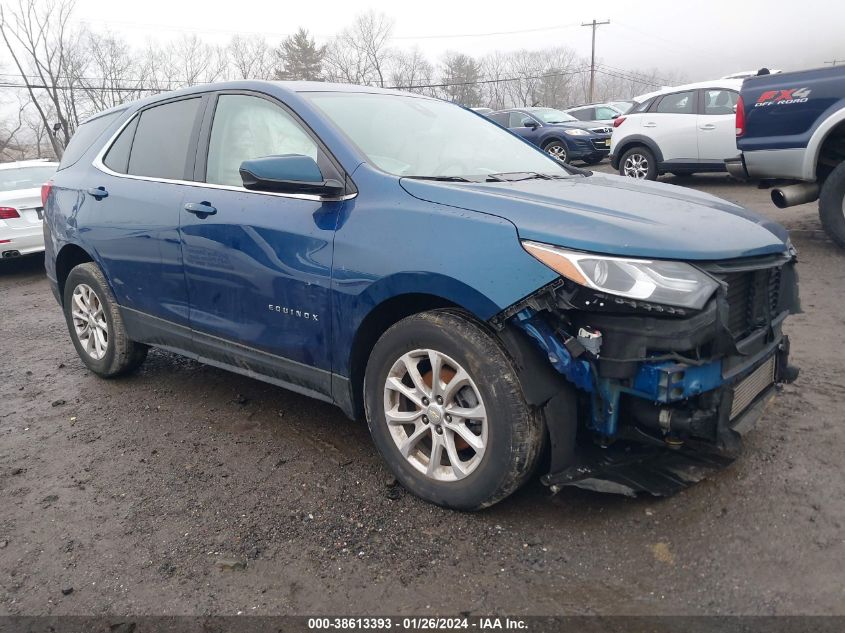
point(557, 149)
point(447, 414)
point(96, 326)
point(638, 162)
point(832, 205)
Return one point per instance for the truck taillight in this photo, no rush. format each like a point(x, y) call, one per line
point(9, 213)
point(618, 121)
point(740, 117)
point(45, 192)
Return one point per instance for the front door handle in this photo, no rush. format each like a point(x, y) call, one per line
point(200, 209)
point(708, 126)
point(98, 193)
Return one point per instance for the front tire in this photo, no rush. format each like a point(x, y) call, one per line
point(447, 414)
point(639, 163)
point(96, 326)
point(832, 205)
point(557, 149)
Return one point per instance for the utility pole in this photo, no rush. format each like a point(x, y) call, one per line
point(835, 61)
point(593, 24)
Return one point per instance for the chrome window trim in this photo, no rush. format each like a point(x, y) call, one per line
point(101, 166)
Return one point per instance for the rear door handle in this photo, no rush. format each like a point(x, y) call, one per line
point(708, 126)
point(200, 209)
point(98, 193)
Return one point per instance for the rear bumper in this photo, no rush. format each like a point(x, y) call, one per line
point(24, 242)
point(781, 164)
point(736, 168)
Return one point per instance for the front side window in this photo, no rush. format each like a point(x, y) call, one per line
point(428, 138)
point(247, 127)
point(678, 103)
point(720, 101)
point(518, 119)
point(162, 142)
point(25, 177)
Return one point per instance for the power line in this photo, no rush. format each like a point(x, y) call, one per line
point(488, 34)
point(835, 61)
point(489, 81)
point(594, 25)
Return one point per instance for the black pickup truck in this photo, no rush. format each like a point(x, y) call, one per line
point(790, 128)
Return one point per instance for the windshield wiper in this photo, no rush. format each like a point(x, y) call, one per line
point(515, 176)
point(442, 178)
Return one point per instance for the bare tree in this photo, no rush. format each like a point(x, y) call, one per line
point(112, 74)
point(39, 41)
point(250, 58)
point(360, 54)
point(9, 132)
point(411, 71)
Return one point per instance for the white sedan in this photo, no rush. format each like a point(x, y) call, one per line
point(21, 210)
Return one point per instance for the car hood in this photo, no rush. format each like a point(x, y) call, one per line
point(616, 216)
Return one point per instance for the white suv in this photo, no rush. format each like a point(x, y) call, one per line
point(678, 130)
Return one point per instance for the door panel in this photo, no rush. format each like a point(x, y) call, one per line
point(717, 125)
point(258, 270)
point(672, 124)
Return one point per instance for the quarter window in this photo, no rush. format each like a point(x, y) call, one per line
point(678, 103)
point(117, 158)
point(84, 138)
point(248, 127)
point(162, 141)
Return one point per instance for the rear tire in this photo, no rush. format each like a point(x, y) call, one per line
point(832, 205)
point(96, 326)
point(483, 456)
point(639, 163)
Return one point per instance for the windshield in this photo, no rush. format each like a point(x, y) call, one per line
point(427, 138)
point(25, 177)
point(550, 115)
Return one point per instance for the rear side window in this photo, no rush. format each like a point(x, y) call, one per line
point(720, 101)
point(162, 140)
point(84, 138)
point(678, 103)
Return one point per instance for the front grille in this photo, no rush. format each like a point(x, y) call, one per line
point(751, 386)
point(601, 130)
point(753, 299)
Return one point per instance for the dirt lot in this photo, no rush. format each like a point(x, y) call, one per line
point(187, 490)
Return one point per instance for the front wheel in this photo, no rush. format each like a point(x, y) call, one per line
point(96, 326)
point(446, 411)
point(557, 149)
point(832, 205)
point(639, 163)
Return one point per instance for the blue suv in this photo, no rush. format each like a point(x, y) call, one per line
point(486, 308)
point(557, 133)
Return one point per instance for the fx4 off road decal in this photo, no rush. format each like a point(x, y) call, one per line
point(783, 97)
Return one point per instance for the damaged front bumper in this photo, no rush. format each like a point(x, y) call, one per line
point(660, 396)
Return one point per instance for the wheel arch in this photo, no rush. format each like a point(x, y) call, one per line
point(68, 257)
point(637, 139)
point(830, 151)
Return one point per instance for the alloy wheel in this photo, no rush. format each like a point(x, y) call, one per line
point(435, 415)
point(636, 166)
point(557, 150)
point(89, 321)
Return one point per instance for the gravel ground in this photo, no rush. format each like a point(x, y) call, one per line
point(187, 490)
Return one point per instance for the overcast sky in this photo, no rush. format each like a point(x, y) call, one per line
point(701, 39)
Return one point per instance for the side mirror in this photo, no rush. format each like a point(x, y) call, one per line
point(527, 122)
point(290, 173)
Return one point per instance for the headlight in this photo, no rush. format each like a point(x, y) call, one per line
point(576, 132)
point(670, 283)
